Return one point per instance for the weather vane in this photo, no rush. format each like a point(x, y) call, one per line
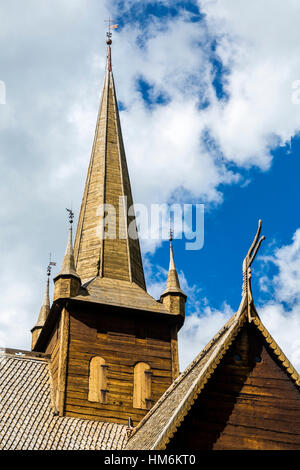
point(49, 267)
point(71, 215)
point(110, 26)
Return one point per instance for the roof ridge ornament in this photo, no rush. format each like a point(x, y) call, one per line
point(253, 250)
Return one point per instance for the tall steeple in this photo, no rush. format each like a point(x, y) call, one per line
point(113, 347)
point(97, 251)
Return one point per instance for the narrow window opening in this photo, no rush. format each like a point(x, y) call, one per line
point(98, 380)
point(142, 386)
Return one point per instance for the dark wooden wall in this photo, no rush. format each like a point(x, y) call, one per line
point(122, 340)
point(246, 404)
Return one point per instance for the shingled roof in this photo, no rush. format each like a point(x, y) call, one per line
point(120, 294)
point(27, 421)
point(160, 424)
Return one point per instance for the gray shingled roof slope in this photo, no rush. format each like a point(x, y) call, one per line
point(27, 421)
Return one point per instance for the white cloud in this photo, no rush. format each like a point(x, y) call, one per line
point(285, 285)
point(281, 315)
point(258, 41)
point(284, 326)
point(175, 60)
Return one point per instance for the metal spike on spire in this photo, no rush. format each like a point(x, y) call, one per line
point(49, 267)
point(172, 262)
point(109, 33)
point(110, 27)
point(71, 215)
point(109, 41)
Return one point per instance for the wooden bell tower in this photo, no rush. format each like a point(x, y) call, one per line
point(113, 347)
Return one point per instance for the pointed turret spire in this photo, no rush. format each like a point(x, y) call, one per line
point(173, 284)
point(68, 265)
point(67, 282)
point(173, 296)
point(102, 245)
point(45, 308)
point(44, 312)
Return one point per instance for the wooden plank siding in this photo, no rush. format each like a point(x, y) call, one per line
point(246, 404)
point(53, 349)
point(121, 343)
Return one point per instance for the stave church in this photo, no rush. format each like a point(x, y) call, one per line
point(103, 372)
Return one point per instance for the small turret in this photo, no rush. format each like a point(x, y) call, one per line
point(173, 297)
point(45, 309)
point(67, 283)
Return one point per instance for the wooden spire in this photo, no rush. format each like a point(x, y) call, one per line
point(44, 312)
point(98, 251)
point(68, 264)
point(67, 282)
point(173, 284)
point(173, 298)
point(45, 308)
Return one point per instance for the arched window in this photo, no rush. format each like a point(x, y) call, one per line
point(97, 380)
point(142, 386)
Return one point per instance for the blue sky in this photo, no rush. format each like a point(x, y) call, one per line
point(209, 84)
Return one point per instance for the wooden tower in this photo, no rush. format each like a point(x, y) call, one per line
point(113, 347)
